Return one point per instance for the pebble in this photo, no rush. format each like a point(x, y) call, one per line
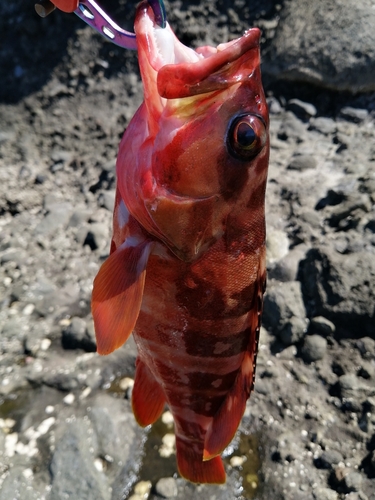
point(106, 199)
point(75, 336)
point(322, 325)
point(97, 236)
point(57, 217)
point(348, 386)
point(291, 128)
point(325, 494)
point(303, 110)
point(355, 115)
point(366, 347)
point(314, 348)
point(142, 489)
point(302, 162)
point(236, 461)
point(277, 245)
point(166, 487)
point(352, 481)
point(323, 125)
point(282, 302)
point(294, 331)
point(168, 447)
point(69, 399)
point(328, 459)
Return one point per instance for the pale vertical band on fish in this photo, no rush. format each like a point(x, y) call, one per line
point(187, 265)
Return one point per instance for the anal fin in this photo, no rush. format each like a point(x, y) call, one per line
point(148, 399)
point(228, 417)
point(117, 295)
point(192, 467)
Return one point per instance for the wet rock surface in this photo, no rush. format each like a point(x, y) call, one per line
point(66, 426)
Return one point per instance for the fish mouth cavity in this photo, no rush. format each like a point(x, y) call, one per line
point(163, 45)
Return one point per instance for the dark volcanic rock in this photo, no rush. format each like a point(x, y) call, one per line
point(341, 288)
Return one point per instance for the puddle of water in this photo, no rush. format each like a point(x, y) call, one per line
point(249, 470)
point(13, 406)
point(154, 466)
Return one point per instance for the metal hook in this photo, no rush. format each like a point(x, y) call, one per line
point(90, 12)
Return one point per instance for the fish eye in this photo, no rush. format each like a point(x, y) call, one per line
point(246, 136)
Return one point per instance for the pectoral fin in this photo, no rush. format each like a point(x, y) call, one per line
point(117, 295)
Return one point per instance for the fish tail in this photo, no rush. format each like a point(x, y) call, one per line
point(192, 467)
point(148, 399)
point(226, 421)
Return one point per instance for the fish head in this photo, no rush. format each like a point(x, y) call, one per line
point(197, 149)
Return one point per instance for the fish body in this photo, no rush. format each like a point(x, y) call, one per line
point(186, 270)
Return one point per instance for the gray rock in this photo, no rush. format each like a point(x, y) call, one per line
point(109, 417)
point(286, 269)
point(166, 487)
point(340, 288)
point(284, 311)
point(78, 218)
point(17, 255)
point(303, 110)
point(314, 348)
point(274, 106)
point(293, 331)
point(76, 336)
point(324, 43)
point(277, 245)
point(355, 115)
point(357, 496)
point(74, 474)
point(323, 125)
point(328, 459)
point(97, 236)
point(106, 199)
point(17, 486)
point(322, 325)
point(292, 128)
point(302, 162)
point(282, 302)
point(353, 481)
point(57, 217)
point(353, 388)
point(348, 385)
point(325, 494)
point(366, 347)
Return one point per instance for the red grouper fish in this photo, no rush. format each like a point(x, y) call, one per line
point(186, 270)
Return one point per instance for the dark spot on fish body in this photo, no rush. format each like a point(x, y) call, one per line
point(232, 176)
point(245, 300)
point(204, 301)
point(205, 405)
point(208, 344)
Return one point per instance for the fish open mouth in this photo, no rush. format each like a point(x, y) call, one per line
point(163, 47)
point(180, 71)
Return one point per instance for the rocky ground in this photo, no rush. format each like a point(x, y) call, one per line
point(66, 427)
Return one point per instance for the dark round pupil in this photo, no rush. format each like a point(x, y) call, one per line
point(245, 135)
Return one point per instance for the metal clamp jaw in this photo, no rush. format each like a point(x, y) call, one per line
point(90, 12)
